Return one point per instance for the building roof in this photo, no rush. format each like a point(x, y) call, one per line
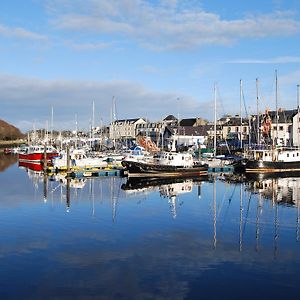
point(236, 121)
point(170, 118)
point(193, 130)
point(284, 116)
point(188, 122)
point(129, 120)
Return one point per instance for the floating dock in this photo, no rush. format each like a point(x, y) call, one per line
point(225, 169)
point(96, 173)
point(76, 172)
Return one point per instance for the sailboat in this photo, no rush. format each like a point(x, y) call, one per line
point(212, 159)
point(273, 158)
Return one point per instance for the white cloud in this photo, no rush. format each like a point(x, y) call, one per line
point(29, 100)
point(20, 33)
point(167, 24)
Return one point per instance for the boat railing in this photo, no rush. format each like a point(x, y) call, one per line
point(257, 147)
point(254, 148)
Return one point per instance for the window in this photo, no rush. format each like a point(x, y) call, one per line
point(281, 128)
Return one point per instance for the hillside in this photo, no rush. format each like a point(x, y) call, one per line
point(9, 132)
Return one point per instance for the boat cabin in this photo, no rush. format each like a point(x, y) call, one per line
point(174, 159)
point(281, 154)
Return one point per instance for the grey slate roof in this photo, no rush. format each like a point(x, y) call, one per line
point(188, 122)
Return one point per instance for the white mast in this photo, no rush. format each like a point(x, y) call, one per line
point(215, 120)
point(298, 109)
point(51, 138)
point(276, 98)
point(76, 130)
point(257, 110)
point(113, 116)
point(93, 123)
point(241, 122)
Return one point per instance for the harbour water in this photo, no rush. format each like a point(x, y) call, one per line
point(107, 238)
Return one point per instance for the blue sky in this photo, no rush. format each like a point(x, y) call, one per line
point(155, 57)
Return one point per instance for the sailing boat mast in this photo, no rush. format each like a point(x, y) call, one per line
point(241, 119)
point(51, 138)
point(93, 120)
point(276, 98)
point(298, 110)
point(257, 111)
point(215, 120)
point(113, 121)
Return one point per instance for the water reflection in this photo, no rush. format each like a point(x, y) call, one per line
point(35, 174)
point(279, 190)
point(7, 160)
point(284, 191)
point(170, 189)
point(221, 230)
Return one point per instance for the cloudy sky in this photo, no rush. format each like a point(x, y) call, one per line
point(154, 57)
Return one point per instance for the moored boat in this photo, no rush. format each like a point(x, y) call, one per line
point(273, 160)
point(37, 153)
point(166, 164)
point(80, 159)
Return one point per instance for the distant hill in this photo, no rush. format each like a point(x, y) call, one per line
point(9, 132)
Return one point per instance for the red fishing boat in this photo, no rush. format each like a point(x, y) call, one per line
point(38, 153)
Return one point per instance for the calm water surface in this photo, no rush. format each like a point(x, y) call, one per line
point(106, 238)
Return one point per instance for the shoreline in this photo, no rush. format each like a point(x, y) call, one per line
point(7, 144)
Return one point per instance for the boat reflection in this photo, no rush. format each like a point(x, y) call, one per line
point(34, 166)
point(169, 188)
point(282, 189)
point(275, 191)
point(279, 189)
point(75, 183)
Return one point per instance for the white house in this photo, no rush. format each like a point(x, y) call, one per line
point(124, 129)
